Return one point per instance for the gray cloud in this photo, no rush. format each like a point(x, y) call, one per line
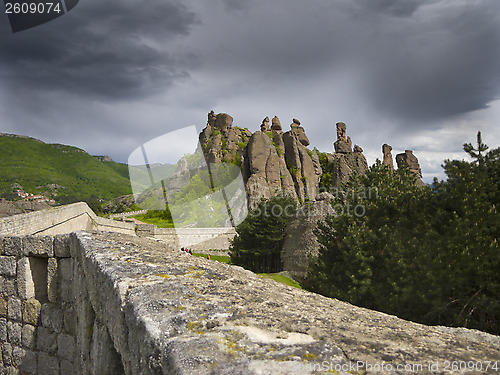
point(105, 51)
point(398, 8)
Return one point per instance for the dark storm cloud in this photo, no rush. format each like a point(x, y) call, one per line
point(399, 8)
point(108, 50)
point(237, 5)
point(410, 61)
point(441, 65)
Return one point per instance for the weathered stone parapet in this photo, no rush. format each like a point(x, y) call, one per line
point(136, 307)
point(168, 312)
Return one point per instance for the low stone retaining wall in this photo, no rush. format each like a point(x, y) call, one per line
point(198, 239)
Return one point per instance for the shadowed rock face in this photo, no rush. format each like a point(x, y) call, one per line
point(345, 162)
point(411, 161)
point(300, 241)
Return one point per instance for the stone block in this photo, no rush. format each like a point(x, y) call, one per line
point(11, 371)
point(2, 249)
point(7, 286)
point(25, 284)
point(29, 363)
point(14, 311)
point(65, 285)
point(52, 282)
point(7, 354)
point(13, 246)
point(46, 340)
point(18, 354)
point(14, 333)
point(69, 318)
point(31, 311)
point(7, 266)
point(3, 330)
point(66, 347)
point(41, 246)
point(28, 336)
point(52, 316)
point(66, 269)
point(67, 368)
point(47, 365)
point(3, 307)
point(62, 246)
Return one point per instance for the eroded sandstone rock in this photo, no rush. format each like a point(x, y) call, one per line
point(411, 161)
point(300, 241)
point(386, 150)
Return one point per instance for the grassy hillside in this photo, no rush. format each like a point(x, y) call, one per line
point(33, 163)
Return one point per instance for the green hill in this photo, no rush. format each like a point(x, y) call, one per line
point(34, 165)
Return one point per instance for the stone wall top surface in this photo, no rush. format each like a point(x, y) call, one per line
point(189, 315)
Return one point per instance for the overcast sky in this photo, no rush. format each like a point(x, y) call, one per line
point(112, 75)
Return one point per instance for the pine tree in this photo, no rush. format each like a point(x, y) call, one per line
point(424, 254)
point(261, 235)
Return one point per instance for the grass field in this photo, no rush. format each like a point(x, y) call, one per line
point(281, 279)
point(275, 276)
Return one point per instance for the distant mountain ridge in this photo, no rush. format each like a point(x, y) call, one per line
point(37, 166)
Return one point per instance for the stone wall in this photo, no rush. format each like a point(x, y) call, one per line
point(37, 309)
point(79, 216)
point(107, 303)
point(198, 239)
point(60, 220)
point(110, 303)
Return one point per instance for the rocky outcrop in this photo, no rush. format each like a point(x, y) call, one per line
point(300, 240)
point(407, 159)
point(346, 161)
point(299, 161)
point(221, 142)
point(267, 173)
point(264, 127)
point(273, 162)
point(386, 150)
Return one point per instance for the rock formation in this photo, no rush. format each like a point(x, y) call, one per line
point(264, 127)
point(345, 161)
point(276, 125)
point(273, 162)
point(386, 150)
point(407, 159)
point(221, 142)
point(300, 241)
point(265, 170)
